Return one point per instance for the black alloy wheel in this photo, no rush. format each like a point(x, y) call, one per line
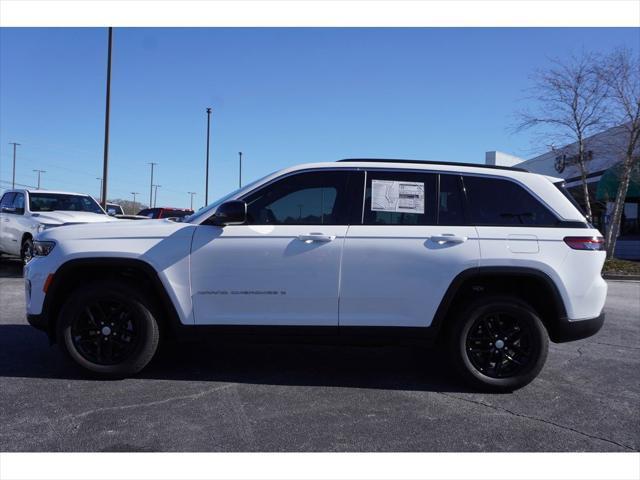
point(109, 328)
point(26, 250)
point(499, 345)
point(107, 332)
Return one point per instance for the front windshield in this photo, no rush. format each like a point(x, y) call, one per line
point(50, 202)
point(205, 212)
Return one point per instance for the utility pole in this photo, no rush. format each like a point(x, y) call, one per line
point(100, 178)
point(206, 181)
point(151, 188)
point(13, 181)
point(105, 163)
point(240, 171)
point(191, 194)
point(39, 172)
point(155, 197)
point(134, 201)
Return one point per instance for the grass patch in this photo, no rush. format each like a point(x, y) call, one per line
point(621, 267)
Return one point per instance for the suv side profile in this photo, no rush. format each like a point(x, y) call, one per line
point(24, 213)
point(489, 263)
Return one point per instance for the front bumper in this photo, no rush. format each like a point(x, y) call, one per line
point(41, 322)
point(568, 330)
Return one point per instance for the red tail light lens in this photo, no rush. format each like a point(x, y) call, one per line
point(585, 243)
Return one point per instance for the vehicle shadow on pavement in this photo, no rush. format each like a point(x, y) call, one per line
point(10, 268)
point(25, 352)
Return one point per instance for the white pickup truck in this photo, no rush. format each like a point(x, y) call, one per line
point(25, 213)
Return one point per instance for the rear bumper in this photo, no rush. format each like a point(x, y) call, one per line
point(568, 330)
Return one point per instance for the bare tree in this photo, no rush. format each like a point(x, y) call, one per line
point(620, 71)
point(128, 206)
point(569, 107)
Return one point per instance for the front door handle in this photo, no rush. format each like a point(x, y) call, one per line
point(315, 237)
point(448, 238)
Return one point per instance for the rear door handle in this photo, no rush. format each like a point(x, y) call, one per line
point(448, 238)
point(316, 237)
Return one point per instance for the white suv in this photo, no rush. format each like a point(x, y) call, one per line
point(25, 213)
point(489, 262)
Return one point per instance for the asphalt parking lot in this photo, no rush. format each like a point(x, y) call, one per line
point(314, 398)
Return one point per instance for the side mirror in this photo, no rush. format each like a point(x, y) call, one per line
point(233, 212)
point(9, 210)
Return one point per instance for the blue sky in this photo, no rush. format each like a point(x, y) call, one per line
point(281, 96)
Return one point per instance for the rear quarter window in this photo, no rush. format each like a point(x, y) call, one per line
point(502, 202)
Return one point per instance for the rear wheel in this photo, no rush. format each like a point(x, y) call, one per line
point(499, 344)
point(109, 329)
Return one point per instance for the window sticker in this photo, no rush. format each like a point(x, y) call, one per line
point(393, 196)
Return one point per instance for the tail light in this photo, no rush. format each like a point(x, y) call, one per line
point(585, 243)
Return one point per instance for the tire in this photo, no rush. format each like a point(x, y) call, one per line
point(26, 250)
point(498, 344)
point(103, 312)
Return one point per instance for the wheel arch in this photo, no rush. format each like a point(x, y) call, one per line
point(529, 284)
point(75, 272)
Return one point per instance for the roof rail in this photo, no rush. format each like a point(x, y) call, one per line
point(432, 162)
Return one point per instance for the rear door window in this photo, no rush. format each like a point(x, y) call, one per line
point(451, 201)
point(501, 202)
point(400, 198)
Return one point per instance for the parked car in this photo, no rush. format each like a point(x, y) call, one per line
point(488, 262)
point(165, 212)
point(25, 213)
point(114, 209)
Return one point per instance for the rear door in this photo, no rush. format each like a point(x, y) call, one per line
point(411, 243)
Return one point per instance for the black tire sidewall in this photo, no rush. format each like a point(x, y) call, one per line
point(83, 296)
point(27, 241)
point(516, 308)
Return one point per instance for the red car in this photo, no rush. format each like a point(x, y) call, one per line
point(165, 212)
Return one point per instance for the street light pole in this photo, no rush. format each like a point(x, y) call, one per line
point(13, 181)
point(39, 172)
point(155, 197)
point(134, 201)
point(151, 187)
point(100, 178)
point(240, 171)
point(105, 163)
point(191, 194)
point(206, 182)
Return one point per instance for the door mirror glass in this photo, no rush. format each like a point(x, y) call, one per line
point(8, 210)
point(233, 212)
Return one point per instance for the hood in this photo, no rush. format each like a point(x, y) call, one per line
point(60, 217)
point(115, 229)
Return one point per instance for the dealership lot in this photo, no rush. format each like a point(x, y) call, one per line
point(312, 398)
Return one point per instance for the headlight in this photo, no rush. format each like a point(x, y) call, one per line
point(42, 248)
point(43, 226)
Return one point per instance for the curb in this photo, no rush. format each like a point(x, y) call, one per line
point(613, 276)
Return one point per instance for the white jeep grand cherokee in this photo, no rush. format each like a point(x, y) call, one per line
point(25, 213)
point(489, 262)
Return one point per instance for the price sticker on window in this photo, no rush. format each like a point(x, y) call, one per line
point(397, 196)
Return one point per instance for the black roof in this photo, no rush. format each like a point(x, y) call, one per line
point(432, 162)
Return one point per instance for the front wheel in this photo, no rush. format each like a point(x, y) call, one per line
point(26, 250)
point(498, 344)
point(108, 328)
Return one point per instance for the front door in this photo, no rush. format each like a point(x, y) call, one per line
point(282, 267)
